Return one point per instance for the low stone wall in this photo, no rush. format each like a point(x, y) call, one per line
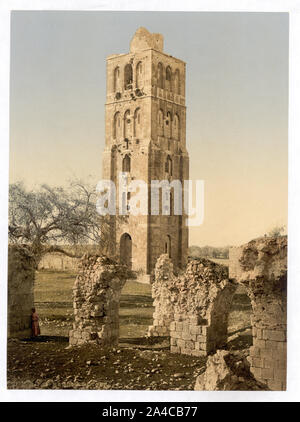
point(96, 294)
point(21, 275)
point(261, 266)
point(192, 307)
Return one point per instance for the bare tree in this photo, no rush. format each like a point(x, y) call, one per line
point(47, 218)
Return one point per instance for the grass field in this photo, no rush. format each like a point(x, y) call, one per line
point(53, 300)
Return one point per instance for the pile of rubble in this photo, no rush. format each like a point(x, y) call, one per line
point(228, 371)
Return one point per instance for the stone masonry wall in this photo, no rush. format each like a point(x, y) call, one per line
point(20, 292)
point(193, 307)
point(164, 293)
point(261, 266)
point(96, 294)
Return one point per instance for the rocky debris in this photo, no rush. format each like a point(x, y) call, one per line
point(56, 384)
point(136, 369)
point(227, 371)
point(96, 293)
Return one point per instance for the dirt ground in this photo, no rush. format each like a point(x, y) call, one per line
point(139, 363)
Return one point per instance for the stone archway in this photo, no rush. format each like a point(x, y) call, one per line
point(192, 308)
point(96, 294)
point(126, 250)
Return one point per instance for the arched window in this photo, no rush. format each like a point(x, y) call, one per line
point(139, 75)
point(126, 164)
point(126, 250)
point(168, 166)
point(177, 82)
point(117, 79)
point(168, 78)
point(168, 125)
point(127, 124)
point(167, 246)
point(175, 128)
point(160, 121)
point(128, 76)
point(117, 128)
point(137, 123)
point(160, 76)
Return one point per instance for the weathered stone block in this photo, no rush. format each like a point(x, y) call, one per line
point(196, 329)
point(275, 385)
point(267, 373)
point(256, 372)
point(173, 326)
point(258, 362)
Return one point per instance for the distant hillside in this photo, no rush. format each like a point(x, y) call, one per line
point(209, 252)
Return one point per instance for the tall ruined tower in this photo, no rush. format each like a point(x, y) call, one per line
point(146, 139)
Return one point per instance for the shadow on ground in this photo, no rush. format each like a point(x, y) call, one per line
point(132, 301)
point(46, 339)
point(241, 342)
point(158, 343)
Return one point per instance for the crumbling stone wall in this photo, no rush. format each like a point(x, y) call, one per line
point(164, 291)
point(21, 276)
point(196, 302)
point(261, 266)
point(96, 294)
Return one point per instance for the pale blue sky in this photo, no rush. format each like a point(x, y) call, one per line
point(237, 105)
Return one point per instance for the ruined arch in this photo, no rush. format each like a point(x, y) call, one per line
point(194, 306)
point(200, 298)
point(126, 250)
point(261, 267)
point(128, 76)
point(97, 320)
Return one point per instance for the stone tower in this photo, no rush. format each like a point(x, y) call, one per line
point(146, 139)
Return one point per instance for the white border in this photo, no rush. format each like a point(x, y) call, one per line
point(291, 6)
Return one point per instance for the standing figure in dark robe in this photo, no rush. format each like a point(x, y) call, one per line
point(35, 328)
